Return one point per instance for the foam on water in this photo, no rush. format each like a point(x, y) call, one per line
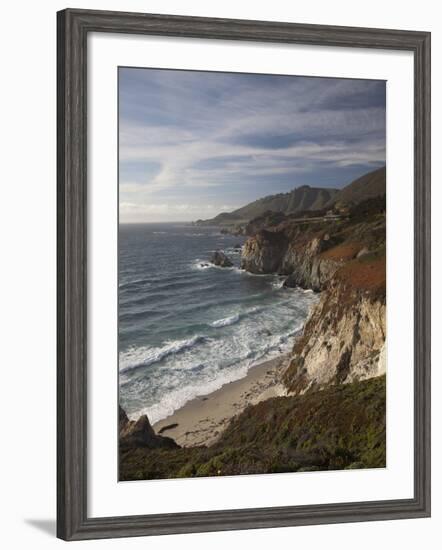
point(278, 282)
point(226, 321)
point(203, 379)
point(145, 356)
point(187, 327)
point(183, 370)
point(205, 264)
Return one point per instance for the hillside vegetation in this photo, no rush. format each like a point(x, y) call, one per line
point(304, 200)
point(366, 187)
point(301, 199)
point(339, 427)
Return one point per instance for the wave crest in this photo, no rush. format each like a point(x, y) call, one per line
point(227, 321)
point(144, 356)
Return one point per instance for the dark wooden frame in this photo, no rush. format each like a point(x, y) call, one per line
point(73, 28)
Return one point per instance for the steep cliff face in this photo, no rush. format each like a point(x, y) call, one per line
point(300, 256)
point(344, 338)
point(306, 266)
point(264, 252)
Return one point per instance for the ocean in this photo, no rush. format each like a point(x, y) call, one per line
point(186, 327)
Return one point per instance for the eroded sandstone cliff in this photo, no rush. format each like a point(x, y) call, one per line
point(344, 338)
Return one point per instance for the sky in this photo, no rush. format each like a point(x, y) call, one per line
point(193, 144)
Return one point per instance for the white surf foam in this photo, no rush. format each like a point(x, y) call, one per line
point(202, 364)
point(144, 356)
point(227, 321)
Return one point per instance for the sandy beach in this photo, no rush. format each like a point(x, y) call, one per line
point(202, 420)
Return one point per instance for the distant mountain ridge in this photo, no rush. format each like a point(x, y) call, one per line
point(305, 199)
point(300, 199)
point(369, 186)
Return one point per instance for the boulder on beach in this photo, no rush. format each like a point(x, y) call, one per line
point(220, 259)
point(139, 433)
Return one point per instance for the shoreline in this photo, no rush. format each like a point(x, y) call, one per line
point(202, 420)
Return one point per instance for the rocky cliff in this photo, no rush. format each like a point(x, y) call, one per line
point(297, 256)
point(344, 338)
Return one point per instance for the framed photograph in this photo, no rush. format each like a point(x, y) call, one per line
point(243, 274)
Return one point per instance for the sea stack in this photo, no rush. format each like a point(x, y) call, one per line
point(220, 259)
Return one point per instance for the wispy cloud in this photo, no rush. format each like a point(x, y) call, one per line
point(195, 139)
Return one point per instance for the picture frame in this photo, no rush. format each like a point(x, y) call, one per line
point(73, 27)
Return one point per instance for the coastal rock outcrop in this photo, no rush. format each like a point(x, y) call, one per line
point(264, 252)
point(237, 230)
point(307, 266)
point(303, 260)
point(139, 433)
point(344, 337)
point(220, 259)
